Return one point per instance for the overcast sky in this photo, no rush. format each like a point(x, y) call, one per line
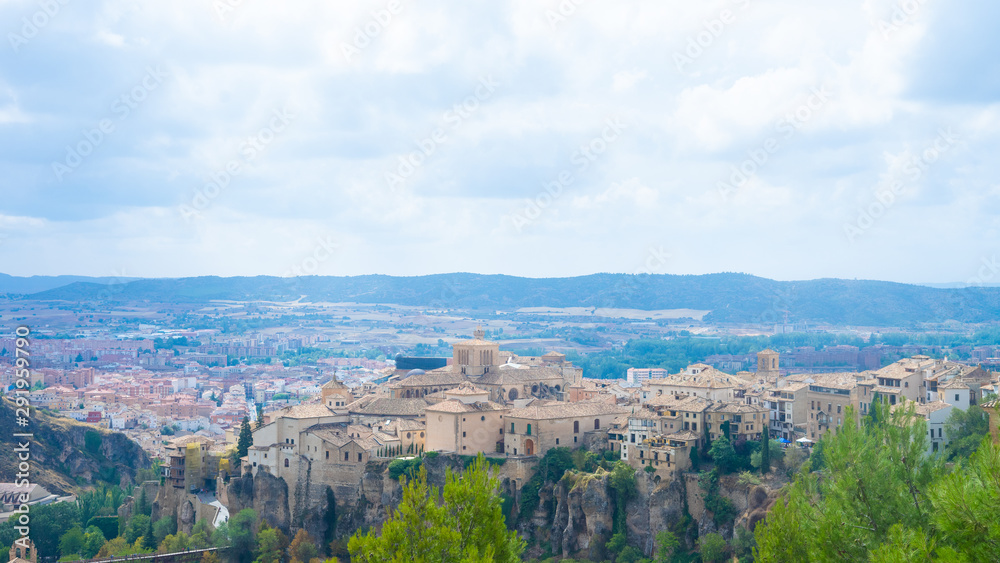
point(786, 139)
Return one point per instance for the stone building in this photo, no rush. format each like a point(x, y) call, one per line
point(535, 429)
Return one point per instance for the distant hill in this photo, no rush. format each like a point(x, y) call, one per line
point(34, 284)
point(737, 298)
point(63, 457)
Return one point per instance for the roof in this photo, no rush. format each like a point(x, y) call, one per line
point(312, 410)
point(456, 406)
point(689, 403)
point(553, 410)
point(737, 408)
point(393, 407)
point(466, 388)
point(440, 376)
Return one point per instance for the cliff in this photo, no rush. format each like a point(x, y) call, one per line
point(574, 517)
point(66, 455)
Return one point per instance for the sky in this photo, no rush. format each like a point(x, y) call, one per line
point(543, 138)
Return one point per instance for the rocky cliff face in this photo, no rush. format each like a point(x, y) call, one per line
point(574, 517)
point(67, 455)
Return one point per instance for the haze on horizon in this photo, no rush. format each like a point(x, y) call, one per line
point(542, 139)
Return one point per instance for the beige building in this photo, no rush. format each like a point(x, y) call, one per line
point(669, 455)
point(697, 380)
point(829, 397)
point(789, 410)
point(336, 396)
point(746, 422)
point(466, 422)
point(535, 429)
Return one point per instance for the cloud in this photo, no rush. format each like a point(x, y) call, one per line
point(370, 83)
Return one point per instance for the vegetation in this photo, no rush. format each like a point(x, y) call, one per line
point(879, 497)
point(467, 526)
point(966, 430)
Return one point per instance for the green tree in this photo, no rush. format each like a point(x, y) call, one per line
point(967, 505)
point(200, 534)
point(722, 452)
point(71, 542)
point(164, 527)
point(245, 439)
point(330, 516)
point(713, 548)
point(666, 544)
point(260, 420)
point(175, 542)
point(622, 484)
point(965, 431)
point(303, 548)
point(876, 475)
point(136, 527)
point(242, 538)
point(270, 545)
point(765, 453)
point(149, 537)
point(468, 526)
point(93, 541)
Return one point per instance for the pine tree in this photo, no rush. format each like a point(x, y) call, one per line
point(148, 540)
point(246, 438)
point(765, 453)
point(468, 526)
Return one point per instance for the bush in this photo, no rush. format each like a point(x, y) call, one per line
point(649, 469)
point(400, 467)
point(92, 441)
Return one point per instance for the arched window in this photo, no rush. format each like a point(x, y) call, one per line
point(286, 463)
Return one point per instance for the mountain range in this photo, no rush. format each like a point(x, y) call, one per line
point(731, 297)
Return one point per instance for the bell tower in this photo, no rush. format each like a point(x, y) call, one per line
point(768, 364)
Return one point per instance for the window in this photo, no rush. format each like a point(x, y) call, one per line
point(956, 397)
point(939, 432)
point(576, 426)
point(529, 430)
point(557, 441)
point(463, 434)
point(359, 457)
point(347, 456)
point(838, 409)
point(286, 463)
point(597, 424)
point(574, 439)
point(327, 454)
point(694, 426)
point(511, 427)
point(483, 418)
